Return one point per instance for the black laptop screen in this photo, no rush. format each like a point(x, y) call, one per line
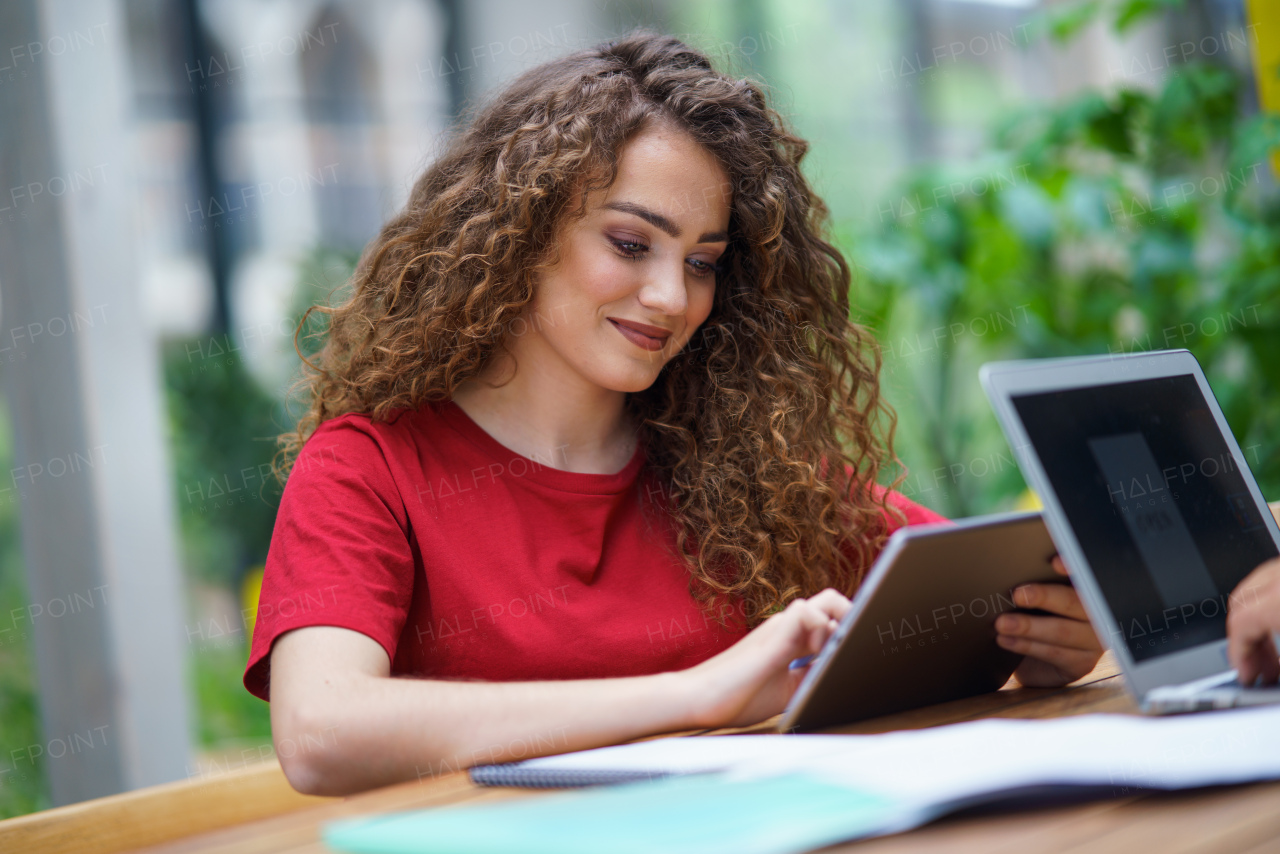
point(1156, 501)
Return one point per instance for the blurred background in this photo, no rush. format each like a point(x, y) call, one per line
point(181, 179)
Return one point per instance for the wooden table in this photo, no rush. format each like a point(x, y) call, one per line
point(1227, 819)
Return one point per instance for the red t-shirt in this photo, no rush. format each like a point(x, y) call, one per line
point(464, 559)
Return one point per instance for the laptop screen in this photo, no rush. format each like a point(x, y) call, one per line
point(1156, 501)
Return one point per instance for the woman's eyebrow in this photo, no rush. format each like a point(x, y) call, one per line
point(659, 221)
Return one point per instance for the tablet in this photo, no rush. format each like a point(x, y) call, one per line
point(922, 626)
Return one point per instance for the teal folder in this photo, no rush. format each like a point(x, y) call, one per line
point(705, 813)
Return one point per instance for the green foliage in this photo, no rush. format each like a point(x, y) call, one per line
point(1128, 13)
point(23, 787)
point(227, 712)
point(223, 428)
point(1109, 223)
point(323, 281)
point(1064, 21)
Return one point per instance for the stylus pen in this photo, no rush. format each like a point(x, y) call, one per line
point(797, 663)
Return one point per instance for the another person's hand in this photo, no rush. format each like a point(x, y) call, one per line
point(1253, 614)
point(1058, 649)
point(752, 680)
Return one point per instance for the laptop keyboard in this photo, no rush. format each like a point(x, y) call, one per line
point(1219, 691)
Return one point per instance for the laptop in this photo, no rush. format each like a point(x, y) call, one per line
point(1151, 503)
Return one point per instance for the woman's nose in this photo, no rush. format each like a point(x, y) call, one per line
point(664, 290)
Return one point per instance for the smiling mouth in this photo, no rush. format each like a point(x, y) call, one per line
point(640, 334)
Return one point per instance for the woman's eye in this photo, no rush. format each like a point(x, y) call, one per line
point(630, 249)
point(703, 269)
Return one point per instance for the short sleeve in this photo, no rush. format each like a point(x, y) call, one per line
point(916, 514)
point(913, 513)
point(340, 553)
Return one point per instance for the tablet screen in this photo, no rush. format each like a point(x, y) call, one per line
point(1156, 501)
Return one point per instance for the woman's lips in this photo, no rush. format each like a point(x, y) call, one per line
point(634, 333)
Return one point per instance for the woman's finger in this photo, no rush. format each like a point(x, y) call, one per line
point(1058, 566)
point(1057, 631)
point(815, 623)
point(1064, 658)
point(832, 602)
point(1057, 598)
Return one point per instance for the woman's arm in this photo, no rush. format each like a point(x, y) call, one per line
point(342, 724)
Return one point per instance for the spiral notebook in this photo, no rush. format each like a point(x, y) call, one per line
point(779, 794)
point(653, 760)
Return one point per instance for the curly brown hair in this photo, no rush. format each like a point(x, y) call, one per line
point(764, 432)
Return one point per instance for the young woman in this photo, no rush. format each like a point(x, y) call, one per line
point(591, 448)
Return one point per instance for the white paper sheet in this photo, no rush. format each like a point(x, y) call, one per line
point(692, 755)
point(957, 762)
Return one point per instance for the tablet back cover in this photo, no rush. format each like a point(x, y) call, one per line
point(926, 633)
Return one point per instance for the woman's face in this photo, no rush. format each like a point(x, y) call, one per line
point(637, 274)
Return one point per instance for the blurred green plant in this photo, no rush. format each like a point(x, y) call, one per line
point(324, 280)
point(227, 713)
point(223, 428)
point(1064, 21)
point(23, 787)
point(1113, 222)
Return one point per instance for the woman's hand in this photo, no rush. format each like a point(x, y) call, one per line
point(1058, 649)
point(752, 680)
point(1253, 614)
